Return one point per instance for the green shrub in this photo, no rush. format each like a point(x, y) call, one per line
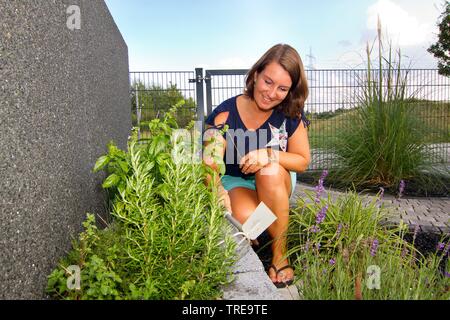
point(166, 238)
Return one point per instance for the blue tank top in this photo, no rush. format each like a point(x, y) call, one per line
point(273, 133)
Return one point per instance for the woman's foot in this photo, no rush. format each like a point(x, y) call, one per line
point(281, 273)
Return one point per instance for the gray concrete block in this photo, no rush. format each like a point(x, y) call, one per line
point(64, 94)
point(290, 293)
point(251, 286)
point(250, 281)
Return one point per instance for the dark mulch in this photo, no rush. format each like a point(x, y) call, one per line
point(263, 250)
point(427, 243)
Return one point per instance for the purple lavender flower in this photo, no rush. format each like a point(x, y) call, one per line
point(405, 251)
point(381, 193)
point(332, 261)
point(318, 245)
point(321, 215)
point(315, 229)
point(339, 229)
point(447, 247)
point(319, 188)
point(374, 248)
point(416, 231)
point(401, 188)
point(440, 246)
point(324, 174)
point(447, 274)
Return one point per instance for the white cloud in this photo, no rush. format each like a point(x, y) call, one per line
point(402, 27)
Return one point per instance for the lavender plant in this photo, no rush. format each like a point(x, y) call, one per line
point(339, 260)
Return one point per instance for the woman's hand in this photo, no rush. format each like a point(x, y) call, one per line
point(254, 161)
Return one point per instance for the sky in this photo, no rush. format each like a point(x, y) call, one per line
point(180, 35)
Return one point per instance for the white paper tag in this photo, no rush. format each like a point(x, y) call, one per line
point(259, 221)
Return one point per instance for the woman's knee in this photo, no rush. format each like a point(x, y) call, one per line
point(243, 202)
point(273, 177)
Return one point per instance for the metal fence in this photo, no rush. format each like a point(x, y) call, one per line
point(154, 93)
point(331, 94)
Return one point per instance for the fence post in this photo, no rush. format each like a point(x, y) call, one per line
point(208, 93)
point(200, 100)
point(138, 112)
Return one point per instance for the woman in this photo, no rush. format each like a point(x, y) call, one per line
point(265, 146)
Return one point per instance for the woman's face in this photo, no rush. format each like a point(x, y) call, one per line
point(272, 86)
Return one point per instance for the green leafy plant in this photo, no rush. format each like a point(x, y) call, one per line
point(168, 238)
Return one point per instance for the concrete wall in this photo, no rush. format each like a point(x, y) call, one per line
point(63, 96)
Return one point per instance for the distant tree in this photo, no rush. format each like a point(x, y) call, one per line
point(441, 49)
point(155, 100)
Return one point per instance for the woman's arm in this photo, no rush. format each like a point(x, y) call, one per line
point(298, 156)
point(215, 146)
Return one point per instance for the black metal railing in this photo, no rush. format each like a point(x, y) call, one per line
point(332, 92)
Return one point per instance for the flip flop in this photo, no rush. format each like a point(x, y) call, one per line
point(282, 284)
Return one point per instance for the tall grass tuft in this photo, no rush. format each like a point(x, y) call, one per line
point(384, 141)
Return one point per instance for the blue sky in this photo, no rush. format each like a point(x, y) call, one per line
point(218, 34)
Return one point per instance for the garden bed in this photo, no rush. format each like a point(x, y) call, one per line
point(332, 253)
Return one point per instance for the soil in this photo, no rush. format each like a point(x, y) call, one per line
point(427, 242)
point(263, 249)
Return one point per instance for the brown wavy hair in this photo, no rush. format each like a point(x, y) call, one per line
point(290, 60)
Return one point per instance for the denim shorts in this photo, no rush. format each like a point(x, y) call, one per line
point(230, 182)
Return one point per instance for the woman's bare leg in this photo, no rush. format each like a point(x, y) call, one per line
point(243, 202)
point(273, 186)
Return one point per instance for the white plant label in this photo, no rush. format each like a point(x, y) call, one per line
point(259, 221)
